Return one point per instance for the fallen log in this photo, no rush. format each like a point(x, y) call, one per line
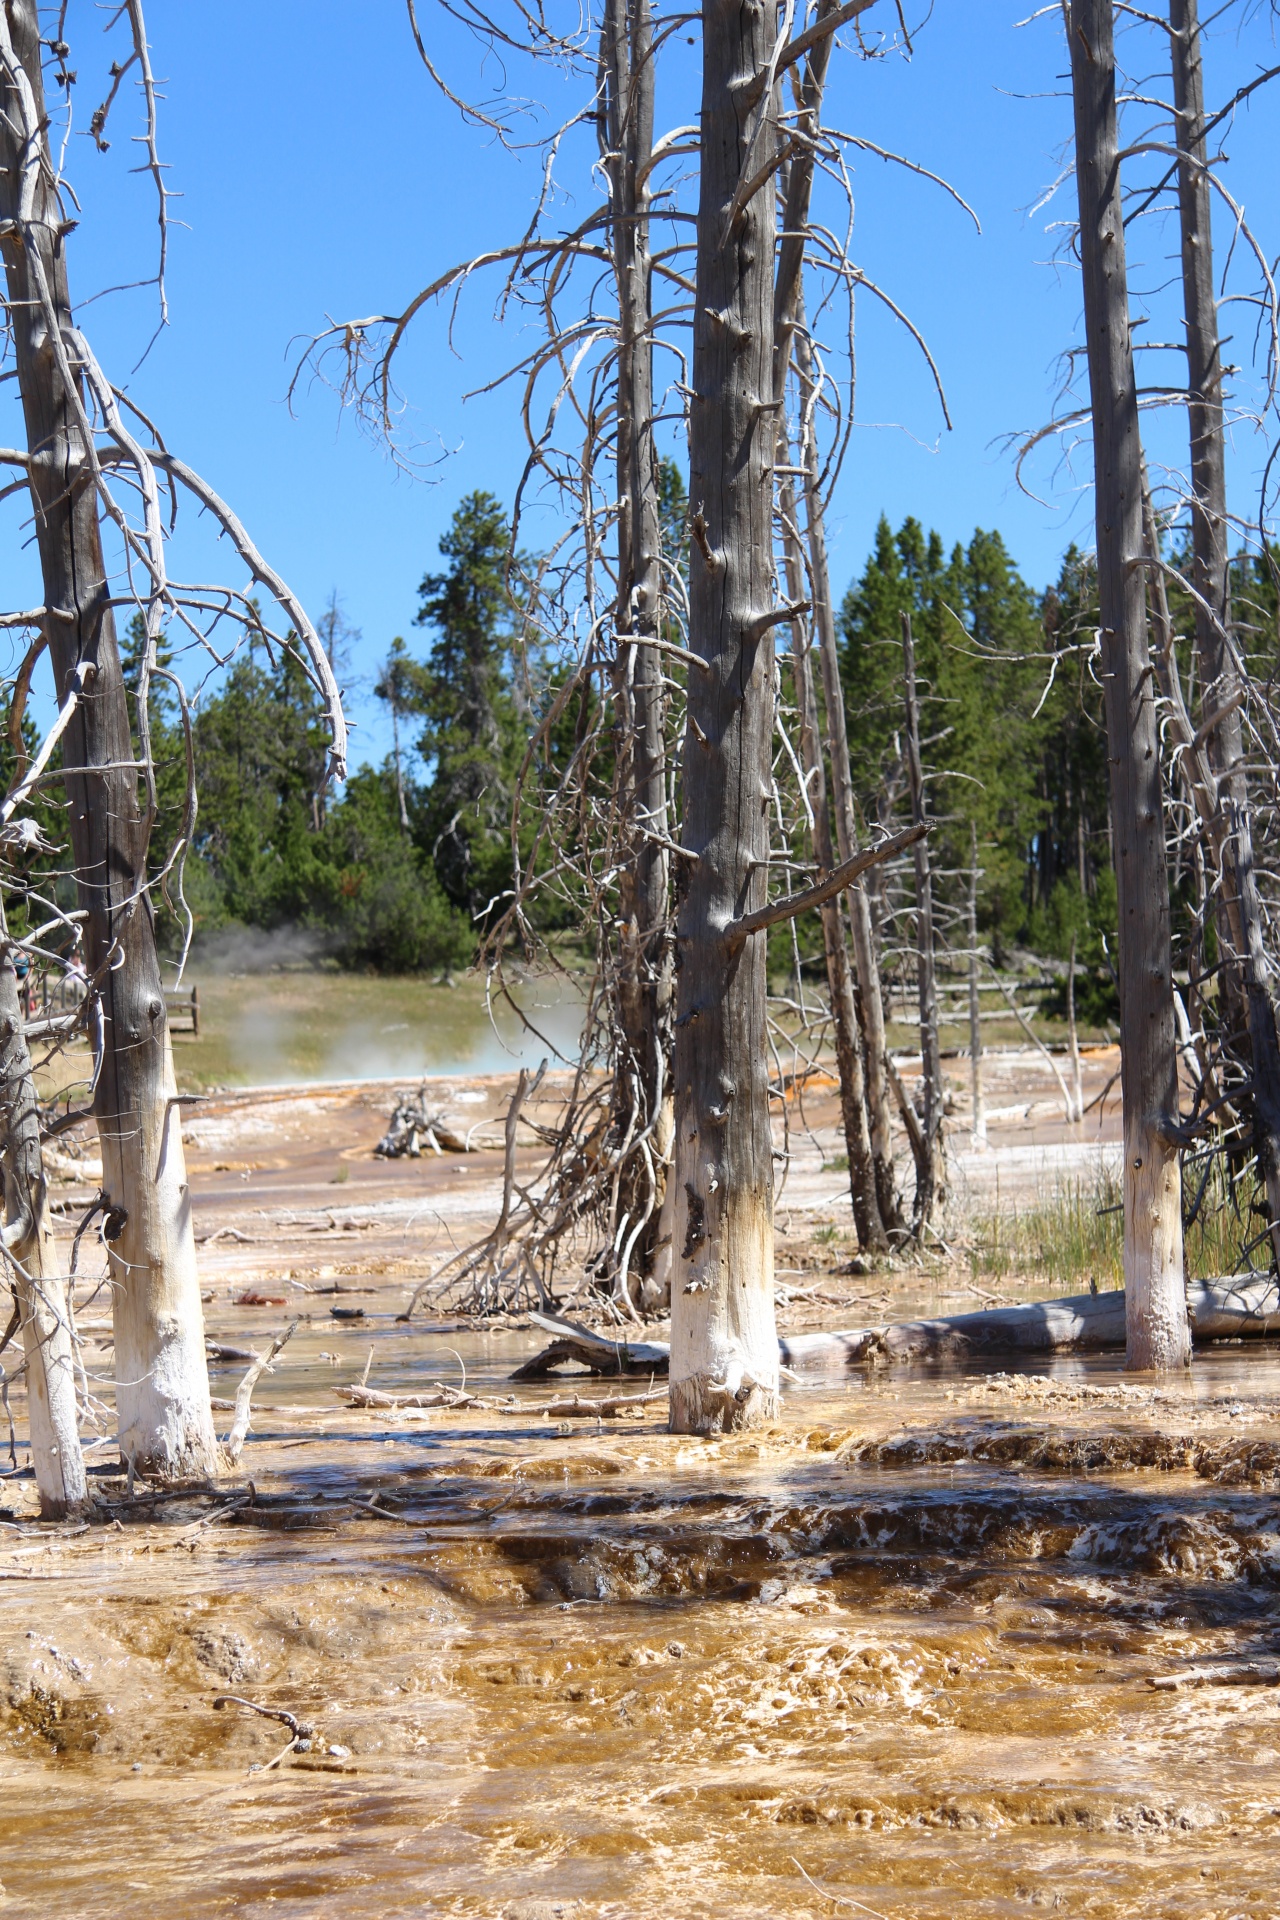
point(1224, 1309)
point(1249, 1673)
point(598, 1352)
point(613, 1407)
point(357, 1395)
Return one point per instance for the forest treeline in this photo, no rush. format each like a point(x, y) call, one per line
point(401, 870)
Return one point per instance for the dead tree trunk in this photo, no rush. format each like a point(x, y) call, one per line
point(928, 1185)
point(975, 1010)
point(869, 997)
point(642, 1103)
point(844, 1018)
point(788, 324)
point(38, 1287)
point(165, 1423)
point(1156, 1312)
point(1073, 1038)
point(1247, 974)
point(724, 1354)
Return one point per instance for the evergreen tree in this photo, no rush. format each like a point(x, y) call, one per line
point(400, 685)
point(1013, 736)
point(268, 857)
point(260, 754)
point(376, 897)
point(471, 738)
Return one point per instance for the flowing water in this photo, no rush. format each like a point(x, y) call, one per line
point(890, 1656)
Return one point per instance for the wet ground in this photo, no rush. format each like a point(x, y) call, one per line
point(901, 1643)
point(893, 1655)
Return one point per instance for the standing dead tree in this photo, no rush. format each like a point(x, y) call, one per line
point(641, 1072)
point(723, 1346)
point(1216, 707)
point(1224, 793)
point(927, 1146)
point(979, 1132)
point(80, 462)
point(870, 999)
point(41, 1304)
point(844, 1017)
point(790, 334)
point(724, 1351)
point(594, 839)
point(1156, 1313)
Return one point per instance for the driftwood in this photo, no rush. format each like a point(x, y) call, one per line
point(576, 1408)
point(1089, 1322)
point(1226, 1309)
point(358, 1395)
point(262, 1363)
point(1239, 1674)
point(595, 1351)
point(412, 1129)
point(569, 1407)
point(217, 1350)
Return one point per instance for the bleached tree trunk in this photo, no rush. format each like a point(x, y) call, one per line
point(927, 1164)
point(644, 956)
point(975, 1009)
point(1155, 1301)
point(162, 1396)
point(870, 999)
point(32, 1270)
point(844, 1018)
point(1247, 973)
point(724, 1353)
point(1073, 1038)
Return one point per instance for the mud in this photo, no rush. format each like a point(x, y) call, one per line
point(889, 1656)
point(900, 1640)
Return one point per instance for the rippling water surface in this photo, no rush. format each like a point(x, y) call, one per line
point(894, 1653)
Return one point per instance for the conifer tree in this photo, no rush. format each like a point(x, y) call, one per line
point(470, 736)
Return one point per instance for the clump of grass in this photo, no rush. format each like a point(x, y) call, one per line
point(1228, 1222)
point(1075, 1238)
point(343, 1173)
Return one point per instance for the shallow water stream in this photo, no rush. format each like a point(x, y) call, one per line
point(893, 1652)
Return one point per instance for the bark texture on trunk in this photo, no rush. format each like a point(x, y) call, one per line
point(1155, 1300)
point(975, 1008)
point(844, 1018)
point(162, 1397)
point(642, 1093)
point(724, 1353)
point(928, 1184)
point(38, 1286)
point(869, 998)
point(1247, 974)
point(788, 324)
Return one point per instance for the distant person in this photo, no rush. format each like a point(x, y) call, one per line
point(76, 980)
point(26, 982)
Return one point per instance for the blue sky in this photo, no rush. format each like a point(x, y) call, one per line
point(322, 175)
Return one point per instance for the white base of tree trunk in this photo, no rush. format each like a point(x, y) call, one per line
point(1158, 1335)
point(162, 1376)
point(51, 1398)
point(724, 1338)
point(39, 1290)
